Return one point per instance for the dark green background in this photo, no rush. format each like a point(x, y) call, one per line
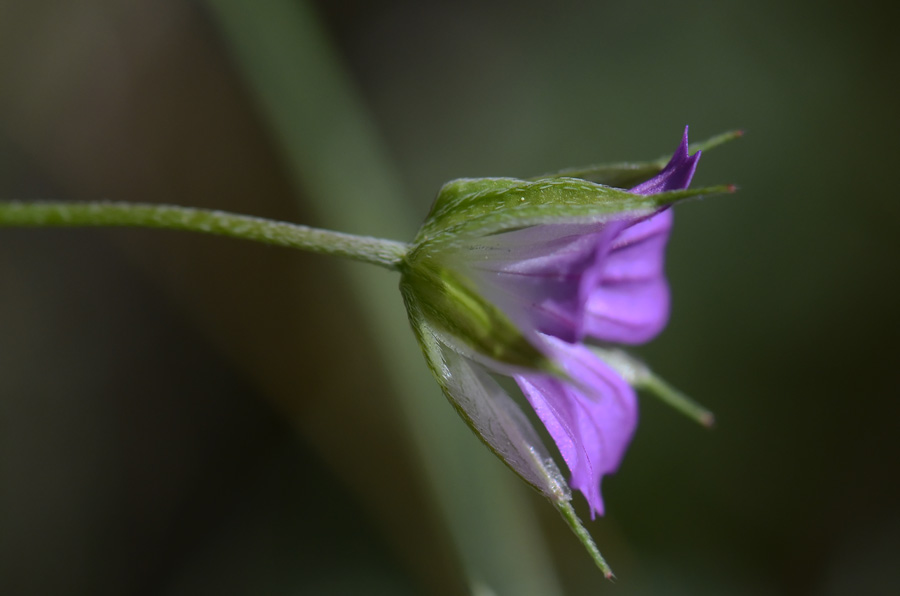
point(196, 415)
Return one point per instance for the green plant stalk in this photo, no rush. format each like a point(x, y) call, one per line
point(334, 154)
point(376, 251)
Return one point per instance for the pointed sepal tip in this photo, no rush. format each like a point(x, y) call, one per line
point(568, 513)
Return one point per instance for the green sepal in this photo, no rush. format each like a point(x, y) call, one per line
point(451, 305)
point(627, 174)
point(500, 424)
point(488, 410)
point(639, 376)
point(473, 207)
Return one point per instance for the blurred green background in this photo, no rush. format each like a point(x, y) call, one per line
point(193, 415)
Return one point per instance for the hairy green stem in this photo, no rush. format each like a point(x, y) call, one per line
point(386, 253)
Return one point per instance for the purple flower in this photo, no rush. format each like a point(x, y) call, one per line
point(622, 297)
point(512, 278)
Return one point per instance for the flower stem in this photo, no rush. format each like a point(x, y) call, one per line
point(386, 253)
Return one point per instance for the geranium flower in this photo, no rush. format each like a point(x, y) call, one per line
point(511, 278)
point(534, 280)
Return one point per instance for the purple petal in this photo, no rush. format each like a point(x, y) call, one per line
point(630, 303)
point(543, 276)
point(591, 419)
point(605, 280)
point(676, 175)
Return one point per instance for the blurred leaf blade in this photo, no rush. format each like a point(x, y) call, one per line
point(334, 154)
